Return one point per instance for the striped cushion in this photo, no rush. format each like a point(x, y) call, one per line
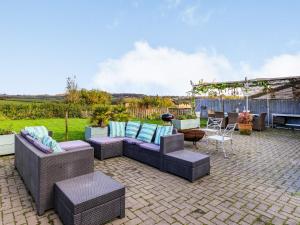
point(162, 131)
point(116, 129)
point(147, 132)
point(51, 143)
point(37, 132)
point(132, 129)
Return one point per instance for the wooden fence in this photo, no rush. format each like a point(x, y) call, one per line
point(255, 106)
point(154, 113)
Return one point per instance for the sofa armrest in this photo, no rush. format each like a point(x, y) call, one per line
point(171, 143)
point(61, 166)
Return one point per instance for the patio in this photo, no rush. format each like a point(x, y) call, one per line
point(258, 185)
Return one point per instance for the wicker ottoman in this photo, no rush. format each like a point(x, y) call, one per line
point(187, 164)
point(91, 199)
point(106, 147)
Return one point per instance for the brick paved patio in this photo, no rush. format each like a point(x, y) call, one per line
point(258, 185)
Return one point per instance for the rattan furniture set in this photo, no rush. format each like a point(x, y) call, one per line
point(67, 182)
point(170, 156)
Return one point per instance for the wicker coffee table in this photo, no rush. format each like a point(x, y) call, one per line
point(187, 164)
point(89, 199)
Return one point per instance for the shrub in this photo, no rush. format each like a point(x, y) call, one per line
point(6, 131)
point(119, 113)
point(40, 110)
point(101, 115)
point(186, 117)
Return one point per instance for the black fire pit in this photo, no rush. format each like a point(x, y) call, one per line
point(167, 117)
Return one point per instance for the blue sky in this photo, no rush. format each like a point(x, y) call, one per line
point(152, 47)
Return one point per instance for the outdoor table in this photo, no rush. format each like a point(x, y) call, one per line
point(294, 116)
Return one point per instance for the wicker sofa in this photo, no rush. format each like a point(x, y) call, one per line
point(147, 153)
point(41, 171)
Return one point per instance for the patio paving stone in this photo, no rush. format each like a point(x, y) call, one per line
point(259, 184)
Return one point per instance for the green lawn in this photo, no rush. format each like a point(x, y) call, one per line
point(76, 126)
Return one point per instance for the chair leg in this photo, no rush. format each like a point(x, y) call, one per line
point(225, 156)
point(231, 142)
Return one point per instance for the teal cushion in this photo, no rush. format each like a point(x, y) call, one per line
point(51, 143)
point(117, 129)
point(162, 131)
point(147, 132)
point(37, 132)
point(132, 128)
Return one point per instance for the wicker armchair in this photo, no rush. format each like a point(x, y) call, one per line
point(41, 171)
point(233, 118)
point(221, 115)
point(259, 122)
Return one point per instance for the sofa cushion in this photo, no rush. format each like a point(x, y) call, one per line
point(43, 148)
point(51, 143)
point(37, 132)
point(147, 132)
point(71, 145)
point(162, 131)
point(105, 140)
point(150, 146)
point(132, 141)
point(116, 129)
point(132, 129)
point(26, 135)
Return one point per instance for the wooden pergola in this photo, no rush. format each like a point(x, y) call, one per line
point(288, 87)
point(256, 87)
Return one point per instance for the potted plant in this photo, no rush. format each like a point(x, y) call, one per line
point(245, 123)
point(7, 141)
point(188, 121)
point(99, 120)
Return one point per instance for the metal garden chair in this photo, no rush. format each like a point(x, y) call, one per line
point(224, 136)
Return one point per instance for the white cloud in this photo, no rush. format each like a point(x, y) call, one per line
point(284, 65)
point(167, 71)
point(193, 16)
point(160, 70)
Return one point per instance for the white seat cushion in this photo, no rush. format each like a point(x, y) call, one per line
point(210, 130)
point(218, 138)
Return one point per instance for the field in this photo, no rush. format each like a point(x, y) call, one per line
point(76, 126)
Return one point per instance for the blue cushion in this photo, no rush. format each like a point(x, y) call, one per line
point(147, 132)
point(37, 132)
point(162, 131)
point(51, 143)
point(132, 129)
point(116, 129)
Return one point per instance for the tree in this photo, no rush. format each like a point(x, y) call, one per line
point(72, 96)
point(93, 97)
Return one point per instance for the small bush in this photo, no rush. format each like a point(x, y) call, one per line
point(186, 117)
point(102, 114)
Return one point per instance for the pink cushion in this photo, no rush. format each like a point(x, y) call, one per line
point(70, 145)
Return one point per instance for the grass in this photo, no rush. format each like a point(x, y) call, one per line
point(57, 125)
point(76, 126)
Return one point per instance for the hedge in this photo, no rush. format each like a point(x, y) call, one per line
point(42, 110)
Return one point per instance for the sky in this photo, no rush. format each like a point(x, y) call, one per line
point(141, 46)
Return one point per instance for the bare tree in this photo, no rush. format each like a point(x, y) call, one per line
point(72, 97)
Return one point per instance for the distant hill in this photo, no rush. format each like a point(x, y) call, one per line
point(116, 97)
